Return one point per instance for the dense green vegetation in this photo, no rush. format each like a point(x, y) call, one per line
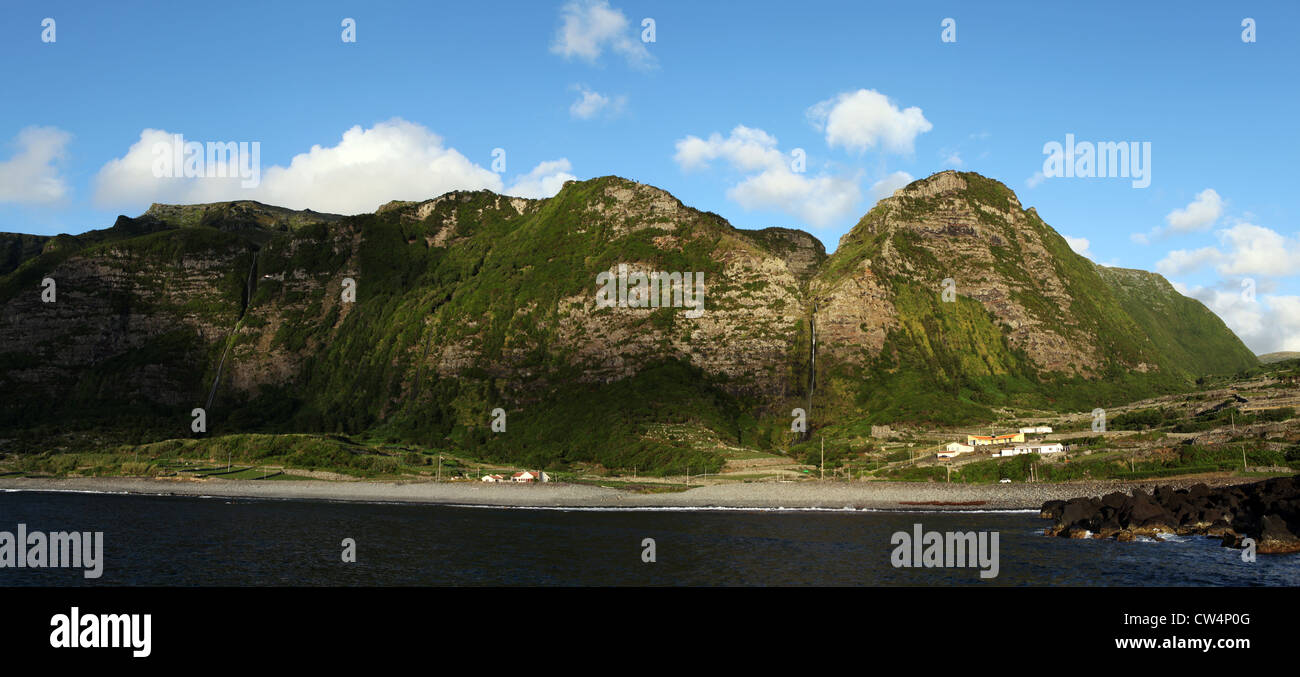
point(464, 306)
point(1188, 459)
point(951, 363)
point(1144, 419)
point(248, 455)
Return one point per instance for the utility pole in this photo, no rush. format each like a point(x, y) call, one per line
point(439, 467)
point(823, 461)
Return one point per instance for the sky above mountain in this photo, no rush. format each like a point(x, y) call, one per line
point(768, 113)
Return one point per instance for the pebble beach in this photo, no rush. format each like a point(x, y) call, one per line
point(925, 496)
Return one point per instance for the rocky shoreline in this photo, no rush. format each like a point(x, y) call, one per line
point(1267, 512)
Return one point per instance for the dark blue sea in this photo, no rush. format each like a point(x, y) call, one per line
point(184, 541)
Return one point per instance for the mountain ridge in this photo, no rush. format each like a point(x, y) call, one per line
point(473, 301)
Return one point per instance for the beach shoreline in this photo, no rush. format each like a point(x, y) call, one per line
point(914, 496)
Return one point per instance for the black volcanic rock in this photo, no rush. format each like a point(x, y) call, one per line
point(1267, 511)
point(1081, 512)
point(1051, 510)
point(1275, 538)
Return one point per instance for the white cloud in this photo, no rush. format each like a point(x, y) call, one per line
point(1080, 245)
point(886, 186)
point(1034, 180)
point(591, 103)
point(544, 180)
point(1197, 216)
point(772, 183)
point(865, 119)
point(819, 200)
point(591, 26)
point(1284, 324)
point(1266, 323)
point(1256, 250)
point(746, 148)
point(1247, 249)
point(953, 159)
point(31, 175)
point(588, 104)
point(1183, 261)
point(393, 160)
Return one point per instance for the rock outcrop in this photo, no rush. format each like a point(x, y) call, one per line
point(1267, 511)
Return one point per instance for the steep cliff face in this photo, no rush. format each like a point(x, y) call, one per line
point(417, 321)
point(18, 247)
point(1022, 313)
point(990, 250)
point(130, 327)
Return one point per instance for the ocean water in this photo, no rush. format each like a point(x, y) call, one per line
point(185, 541)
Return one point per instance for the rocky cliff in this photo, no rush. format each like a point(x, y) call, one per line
point(417, 321)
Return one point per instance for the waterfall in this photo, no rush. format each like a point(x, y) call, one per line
point(249, 286)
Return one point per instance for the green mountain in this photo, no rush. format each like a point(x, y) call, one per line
point(415, 323)
point(1031, 323)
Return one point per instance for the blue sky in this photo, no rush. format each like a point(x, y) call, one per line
point(867, 90)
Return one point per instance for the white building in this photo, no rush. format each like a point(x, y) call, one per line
point(1037, 430)
point(955, 448)
point(1041, 448)
point(493, 478)
point(530, 476)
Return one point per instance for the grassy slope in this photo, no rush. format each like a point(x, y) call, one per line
point(950, 363)
point(497, 289)
point(1182, 329)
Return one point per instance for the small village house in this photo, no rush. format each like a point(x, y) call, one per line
point(530, 476)
point(954, 449)
point(1008, 438)
point(1039, 448)
point(494, 478)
